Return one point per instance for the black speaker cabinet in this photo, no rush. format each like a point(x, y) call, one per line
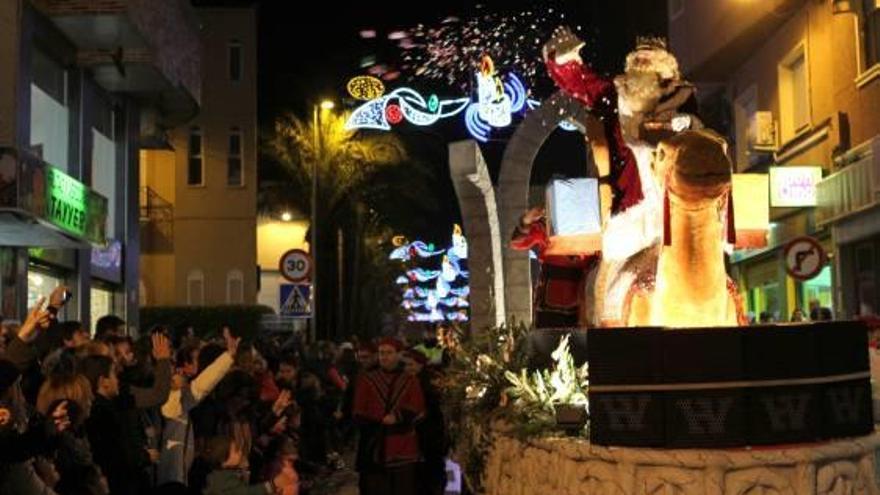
point(728, 387)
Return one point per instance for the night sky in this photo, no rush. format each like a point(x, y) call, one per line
point(309, 50)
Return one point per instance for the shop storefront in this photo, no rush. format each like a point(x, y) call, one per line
point(50, 222)
point(768, 292)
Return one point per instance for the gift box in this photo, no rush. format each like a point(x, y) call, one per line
point(574, 217)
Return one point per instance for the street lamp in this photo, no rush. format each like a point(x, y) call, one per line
point(325, 106)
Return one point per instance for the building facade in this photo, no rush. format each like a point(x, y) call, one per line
point(795, 83)
point(198, 198)
point(84, 83)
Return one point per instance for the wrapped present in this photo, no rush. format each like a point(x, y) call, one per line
point(751, 210)
point(574, 217)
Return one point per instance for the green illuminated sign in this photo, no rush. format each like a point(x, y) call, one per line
point(66, 201)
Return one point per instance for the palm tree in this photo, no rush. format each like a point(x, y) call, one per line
point(368, 189)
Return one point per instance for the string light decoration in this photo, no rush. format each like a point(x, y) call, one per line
point(432, 294)
point(497, 101)
point(406, 103)
point(365, 88)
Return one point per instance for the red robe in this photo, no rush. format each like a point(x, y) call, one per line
point(379, 393)
point(600, 96)
point(560, 285)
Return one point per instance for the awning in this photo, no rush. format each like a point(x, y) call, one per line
point(16, 231)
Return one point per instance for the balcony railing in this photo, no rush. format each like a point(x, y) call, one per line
point(157, 222)
point(852, 189)
point(143, 47)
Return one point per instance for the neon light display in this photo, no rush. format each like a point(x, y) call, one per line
point(412, 106)
point(431, 293)
point(365, 88)
point(497, 101)
point(405, 252)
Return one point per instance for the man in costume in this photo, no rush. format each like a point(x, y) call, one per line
point(631, 114)
point(388, 403)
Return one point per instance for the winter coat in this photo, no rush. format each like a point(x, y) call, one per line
point(21, 479)
point(230, 482)
point(177, 450)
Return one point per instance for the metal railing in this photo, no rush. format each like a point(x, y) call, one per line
point(852, 189)
point(154, 207)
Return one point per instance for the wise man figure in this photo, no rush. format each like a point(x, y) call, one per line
point(630, 115)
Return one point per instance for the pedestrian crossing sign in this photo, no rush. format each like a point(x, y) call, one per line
point(296, 300)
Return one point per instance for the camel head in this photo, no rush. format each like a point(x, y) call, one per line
point(693, 167)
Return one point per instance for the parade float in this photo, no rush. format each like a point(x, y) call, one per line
point(660, 388)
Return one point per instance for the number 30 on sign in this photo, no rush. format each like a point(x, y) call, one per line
point(296, 265)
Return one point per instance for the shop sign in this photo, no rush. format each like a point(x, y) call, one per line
point(794, 186)
point(107, 262)
point(67, 201)
point(32, 186)
point(804, 258)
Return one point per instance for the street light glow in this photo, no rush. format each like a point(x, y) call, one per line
point(286, 216)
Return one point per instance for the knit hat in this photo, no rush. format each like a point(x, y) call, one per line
point(8, 375)
point(390, 341)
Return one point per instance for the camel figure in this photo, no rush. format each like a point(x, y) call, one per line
point(681, 281)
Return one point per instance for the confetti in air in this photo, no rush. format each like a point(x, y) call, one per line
point(450, 51)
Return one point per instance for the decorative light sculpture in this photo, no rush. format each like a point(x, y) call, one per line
point(365, 88)
point(432, 295)
point(411, 106)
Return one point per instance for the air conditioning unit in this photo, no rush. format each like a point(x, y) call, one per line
point(763, 132)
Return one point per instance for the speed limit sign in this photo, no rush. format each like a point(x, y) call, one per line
point(296, 265)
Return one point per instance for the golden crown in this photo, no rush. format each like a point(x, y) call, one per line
point(650, 43)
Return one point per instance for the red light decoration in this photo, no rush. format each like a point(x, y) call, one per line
point(393, 114)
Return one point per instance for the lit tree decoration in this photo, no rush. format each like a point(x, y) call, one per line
point(365, 88)
point(429, 294)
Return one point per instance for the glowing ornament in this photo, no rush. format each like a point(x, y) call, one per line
point(433, 103)
point(365, 88)
point(393, 114)
point(496, 103)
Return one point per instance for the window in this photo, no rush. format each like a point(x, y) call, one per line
point(195, 168)
point(794, 93)
point(104, 162)
point(101, 304)
point(195, 288)
point(744, 108)
point(869, 34)
point(50, 115)
point(234, 175)
point(234, 287)
point(235, 60)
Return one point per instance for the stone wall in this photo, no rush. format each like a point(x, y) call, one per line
point(565, 466)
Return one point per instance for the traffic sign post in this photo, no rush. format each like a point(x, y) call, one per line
point(296, 300)
point(804, 258)
point(296, 265)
